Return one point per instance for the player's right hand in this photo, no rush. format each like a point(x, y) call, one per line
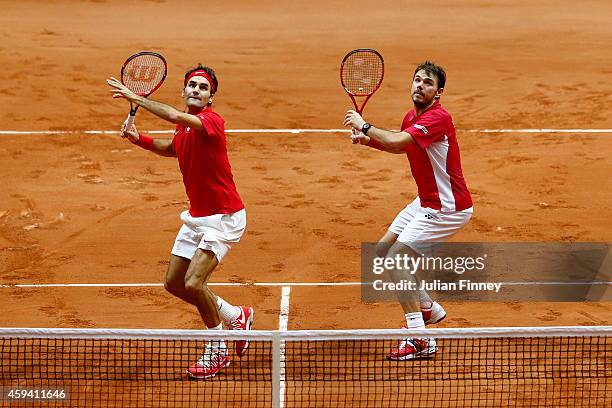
point(131, 134)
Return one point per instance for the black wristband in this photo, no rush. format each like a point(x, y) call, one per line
point(365, 128)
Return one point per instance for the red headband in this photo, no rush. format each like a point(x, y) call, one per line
point(201, 72)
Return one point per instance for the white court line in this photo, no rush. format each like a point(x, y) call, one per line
point(158, 132)
point(283, 318)
point(291, 131)
point(287, 285)
point(536, 130)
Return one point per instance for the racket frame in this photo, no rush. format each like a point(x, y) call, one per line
point(367, 95)
point(133, 109)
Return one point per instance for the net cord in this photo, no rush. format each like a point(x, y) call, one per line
point(305, 335)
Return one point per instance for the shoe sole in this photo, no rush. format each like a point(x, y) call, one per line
point(249, 326)
point(431, 321)
point(434, 319)
point(203, 377)
point(422, 354)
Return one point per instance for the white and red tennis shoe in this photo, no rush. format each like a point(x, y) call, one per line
point(410, 349)
point(244, 321)
point(210, 364)
point(434, 314)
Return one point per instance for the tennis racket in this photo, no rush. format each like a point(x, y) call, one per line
point(143, 73)
point(361, 74)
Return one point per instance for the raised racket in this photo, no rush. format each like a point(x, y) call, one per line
point(361, 74)
point(143, 73)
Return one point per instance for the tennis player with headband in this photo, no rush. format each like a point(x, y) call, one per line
point(216, 218)
point(443, 205)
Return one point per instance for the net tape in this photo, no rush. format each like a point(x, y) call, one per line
point(480, 367)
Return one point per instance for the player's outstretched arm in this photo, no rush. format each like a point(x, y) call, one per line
point(386, 140)
point(162, 110)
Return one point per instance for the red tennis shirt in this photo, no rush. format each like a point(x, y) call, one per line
point(207, 174)
point(435, 161)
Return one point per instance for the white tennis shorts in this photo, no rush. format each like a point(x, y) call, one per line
point(418, 226)
point(214, 233)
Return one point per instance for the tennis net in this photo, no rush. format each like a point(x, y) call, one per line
point(555, 366)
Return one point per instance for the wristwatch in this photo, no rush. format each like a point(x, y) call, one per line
point(365, 128)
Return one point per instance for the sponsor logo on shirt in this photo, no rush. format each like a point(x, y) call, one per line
point(422, 128)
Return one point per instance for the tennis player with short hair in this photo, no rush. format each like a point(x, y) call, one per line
point(216, 218)
point(444, 203)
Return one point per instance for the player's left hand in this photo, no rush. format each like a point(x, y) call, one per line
point(121, 91)
point(359, 138)
point(354, 119)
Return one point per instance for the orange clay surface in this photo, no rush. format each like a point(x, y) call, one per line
point(79, 208)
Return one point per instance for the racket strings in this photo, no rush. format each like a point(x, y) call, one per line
point(143, 74)
point(362, 73)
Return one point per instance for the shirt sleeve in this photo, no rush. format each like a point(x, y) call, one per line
point(430, 128)
point(213, 124)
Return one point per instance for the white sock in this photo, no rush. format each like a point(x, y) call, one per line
point(227, 312)
point(218, 344)
point(414, 320)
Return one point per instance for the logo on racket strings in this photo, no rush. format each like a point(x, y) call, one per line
point(143, 73)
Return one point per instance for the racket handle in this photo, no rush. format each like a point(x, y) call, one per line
point(130, 122)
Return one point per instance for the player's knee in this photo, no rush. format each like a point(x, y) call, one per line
point(194, 287)
point(382, 248)
point(168, 287)
point(175, 288)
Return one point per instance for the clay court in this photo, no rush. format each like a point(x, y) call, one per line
point(89, 208)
